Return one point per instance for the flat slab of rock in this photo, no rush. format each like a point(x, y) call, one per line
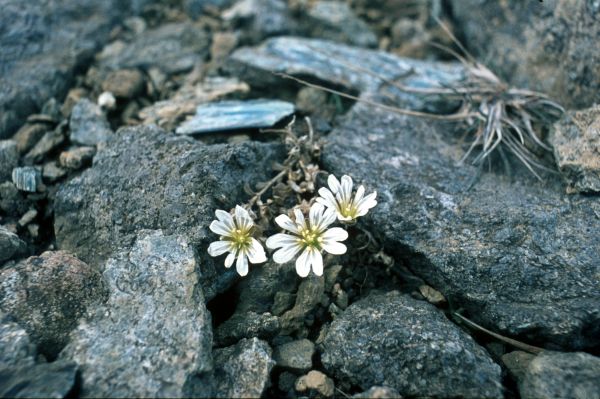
point(148, 179)
point(520, 255)
point(576, 142)
point(47, 295)
point(394, 340)
point(243, 370)
point(234, 115)
point(561, 375)
point(154, 332)
point(337, 64)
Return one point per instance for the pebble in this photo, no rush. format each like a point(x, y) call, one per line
point(28, 135)
point(107, 100)
point(77, 158)
point(124, 83)
point(27, 178)
point(48, 142)
point(10, 245)
point(317, 381)
point(88, 124)
point(27, 217)
point(295, 355)
point(51, 172)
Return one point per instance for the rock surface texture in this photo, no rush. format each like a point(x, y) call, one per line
point(518, 254)
point(148, 179)
point(153, 336)
point(394, 340)
point(548, 46)
point(47, 295)
point(562, 375)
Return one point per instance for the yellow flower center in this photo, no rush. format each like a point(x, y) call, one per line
point(348, 210)
point(240, 238)
point(310, 237)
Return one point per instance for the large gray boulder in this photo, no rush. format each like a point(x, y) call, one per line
point(148, 179)
point(42, 44)
point(394, 340)
point(518, 254)
point(549, 46)
point(153, 337)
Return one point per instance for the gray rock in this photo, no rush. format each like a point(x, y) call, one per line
point(295, 355)
point(51, 172)
point(394, 340)
point(549, 47)
point(329, 62)
point(154, 333)
point(517, 362)
point(173, 48)
point(282, 302)
point(562, 375)
point(77, 157)
point(196, 8)
point(28, 135)
point(41, 45)
point(309, 294)
point(47, 143)
point(335, 20)
point(10, 245)
point(259, 19)
point(246, 324)
point(44, 380)
point(47, 295)
point(12, 200)
point(125, 83)
point(232, 115)
point(518, 254)
point(16, 349)
point(27, 178)
point(9, 158)
point(243, 370)
point(576, 142)
point(149, 179)
point(88, 124)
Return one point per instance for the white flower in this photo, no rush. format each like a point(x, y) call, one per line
point(309, 236)
point(236, 238)
point(339, 198)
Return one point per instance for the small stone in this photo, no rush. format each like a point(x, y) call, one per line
point(51, 172)
point(561, 375)
point(16, 349)
point(282, 301)
point(107, 101)
point(246, 325)
point(517, 363)
point(47, 143)
point(341, 297)
point(576, 142)
point(77, 158)
point(11, 200)
point(47, 294)
point(309, 295)
point(10, 245)
point(9, 158)
point(243, 371)
point(310, 100)
point(88, 124)
point(28, 135)
point(34, 230)
point(432, 295)
point(222, 45)
point(260, 19)
point(73, 97)
point(378, 393)
point(51, 108)
point(233, 115)
point(125, 83)
point(27, 218)
point(317, 381)
point(295, 355)
point(331, 275)
point(27, 178)
point(336, 21)
point(45, 380)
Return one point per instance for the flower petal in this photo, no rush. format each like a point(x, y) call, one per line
point(346, 189)
point(366, 203)
point(243, 219)
point(242, 265)
point(281, 240)
point(360, 193)
point(286, 253)
point(218, 248)
point(334, 184)
point(299, 218)
point(256, 252)
point(328, 217)
point(335, 234)
point(333, 247)
point(219, 228)
point(303, 263)
point(317, 262)
point(326, 198)
point(226, 218)
point(286, 223)
point(229, 260)
point(315, 214)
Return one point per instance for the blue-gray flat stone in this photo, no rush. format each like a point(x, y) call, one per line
point(233, 115)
